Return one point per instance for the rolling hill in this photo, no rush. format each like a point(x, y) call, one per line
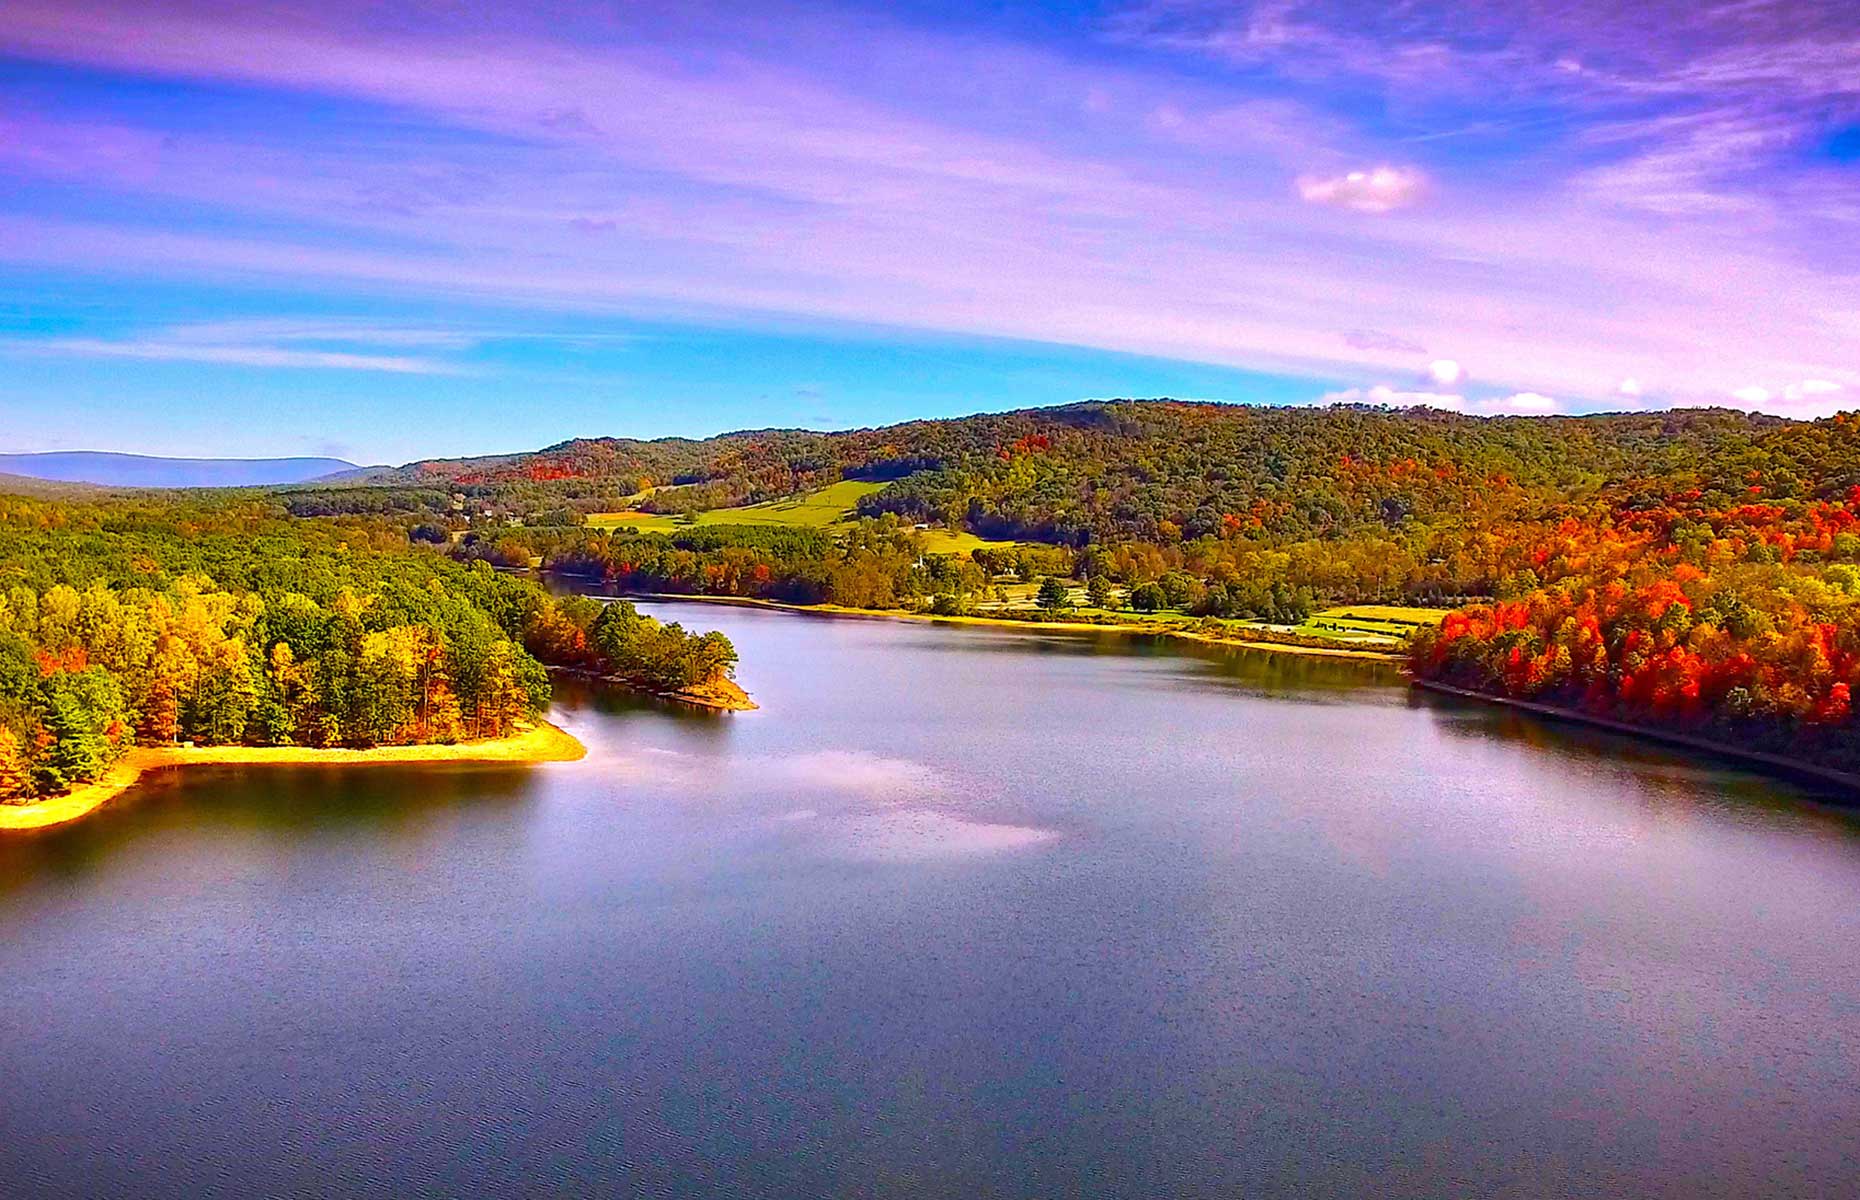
point(1160, 470)
point(141, 470)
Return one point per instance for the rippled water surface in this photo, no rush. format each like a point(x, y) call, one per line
point(958, 913)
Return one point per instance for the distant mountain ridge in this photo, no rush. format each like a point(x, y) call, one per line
point(141, 470)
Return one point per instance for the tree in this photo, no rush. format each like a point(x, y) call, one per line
point(1053, 594)
point(15, 771)
point(82, 713)
point(1098, 588)
point(1148, 597)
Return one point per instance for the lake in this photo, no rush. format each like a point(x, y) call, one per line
point(961, 912)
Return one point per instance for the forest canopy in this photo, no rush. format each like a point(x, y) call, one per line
point(1691, 568)
point(223, 621)
point(1694, 568)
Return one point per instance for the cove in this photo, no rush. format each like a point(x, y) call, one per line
point(959, 912)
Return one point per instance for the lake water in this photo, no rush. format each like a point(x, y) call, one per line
point(959, 913)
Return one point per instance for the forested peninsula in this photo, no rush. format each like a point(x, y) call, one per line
point(172, 628)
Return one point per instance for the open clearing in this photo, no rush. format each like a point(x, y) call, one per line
point(1374, 623)
point(810, 510)
point(820, 509)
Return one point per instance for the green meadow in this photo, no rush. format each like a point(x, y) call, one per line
point(1384, 623)
point(811, 510)
point(820, 509)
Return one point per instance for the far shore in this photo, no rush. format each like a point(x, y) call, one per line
point(1127, 627)
point(540, 743)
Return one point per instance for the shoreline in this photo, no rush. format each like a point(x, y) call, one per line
point(1773, 764)
point(719, 696)
point(1761, 760)
point(1123, 627)
point(540, 743)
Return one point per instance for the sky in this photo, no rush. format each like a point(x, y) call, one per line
point(387, 231)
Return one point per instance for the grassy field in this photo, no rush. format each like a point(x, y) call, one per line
point(1372, 623)
point(956, 541)
point(1397, 614)
point(812, 510)
point(822, 509)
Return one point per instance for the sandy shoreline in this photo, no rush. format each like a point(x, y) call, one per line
point(542, 742)
point(1187, 635)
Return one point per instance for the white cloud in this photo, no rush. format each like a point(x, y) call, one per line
point(1445, 372)
point(1810, 387)
point(1385, 395)
point(1516, 404)
point(1804, 399)
point(1628, 387)
point(1376, 190)
point(1521, 402)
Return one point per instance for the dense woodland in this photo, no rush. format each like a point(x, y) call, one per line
point(1142, 471)
point(1739, 623)
point(1695, 569)
point(223, 621)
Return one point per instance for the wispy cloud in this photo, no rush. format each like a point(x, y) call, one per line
point(268, 343)
point(241, 356)
point(1617, 197)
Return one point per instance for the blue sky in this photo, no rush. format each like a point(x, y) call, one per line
point(484, 379)
point(388, 231)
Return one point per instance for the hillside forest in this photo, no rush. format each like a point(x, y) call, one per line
point(1694, 569)
point(221, 620)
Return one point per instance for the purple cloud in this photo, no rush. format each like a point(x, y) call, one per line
point(1368, 190)
point(1606, 204)
point(314, 345)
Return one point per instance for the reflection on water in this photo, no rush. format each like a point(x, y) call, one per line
point(281, 805)
point(1650, 770)
point(959, 912)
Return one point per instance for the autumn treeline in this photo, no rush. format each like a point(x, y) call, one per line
point(1740, 623)
point(157, 623)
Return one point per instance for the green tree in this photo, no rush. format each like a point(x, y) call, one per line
point(82, 712)
point(1148, 597)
